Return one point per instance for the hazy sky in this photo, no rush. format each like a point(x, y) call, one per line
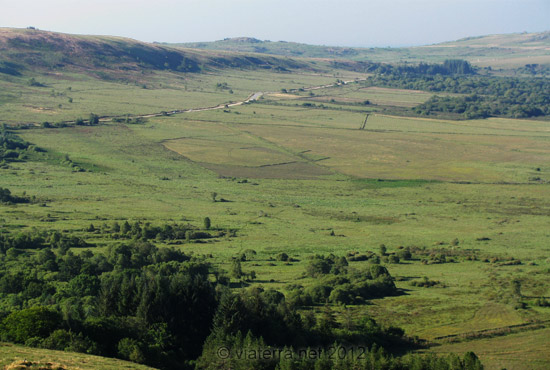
point(323, 22)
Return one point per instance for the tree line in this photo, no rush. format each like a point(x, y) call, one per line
point(486, 96)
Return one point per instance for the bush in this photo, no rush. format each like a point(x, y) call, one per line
point(343, 294)
point(282, 257)
point(425, 283)
point(393, 259)
point(405, 254)
point(129, 349)
point(19, 326)
point(7, 197)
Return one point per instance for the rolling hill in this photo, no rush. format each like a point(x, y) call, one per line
point(506, 50)
point(23, 49)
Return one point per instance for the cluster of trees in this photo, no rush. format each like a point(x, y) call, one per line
point(93, 120)
point(476, 106)
point(136, 301)
point(41, 239)
point(7, 197)
point(130, 120)
point(12, 147)
point(167, 232)
point(338, 357)
point(534, 69)
point(486, 95)
point(161, 307)
point(449, 67)
point(336, 283)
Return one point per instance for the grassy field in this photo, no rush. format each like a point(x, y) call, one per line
point(305, 180)
point(527, 350)
point(66, 96)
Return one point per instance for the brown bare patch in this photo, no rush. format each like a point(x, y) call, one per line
point(40, 109)
point(284, 96)
point(24, 365)
point(291, 171)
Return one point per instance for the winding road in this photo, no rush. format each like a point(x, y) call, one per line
point(252, 97)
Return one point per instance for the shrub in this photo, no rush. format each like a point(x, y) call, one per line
point(129, 349)
point(405, 254)
point(207, 223)
point(282, 257)
point(393, 259)
point(29, 323)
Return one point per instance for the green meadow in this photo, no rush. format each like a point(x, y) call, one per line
point(294, 173)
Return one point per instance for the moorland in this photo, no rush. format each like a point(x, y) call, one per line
point(159, 203)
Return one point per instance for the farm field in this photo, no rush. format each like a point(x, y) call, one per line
point(306, 180)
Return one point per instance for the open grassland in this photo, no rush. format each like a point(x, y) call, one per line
point(305, 181)
point(486, 151)
point(526, 350)
point(374, 95)
point(66, 96)
point(18, 357)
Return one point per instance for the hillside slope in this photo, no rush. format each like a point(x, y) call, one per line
point(18, 357)
point(22, 49)
point(540, 40)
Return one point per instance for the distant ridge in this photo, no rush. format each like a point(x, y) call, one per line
point(22, 49)
point(484, 50)
point(524, 39)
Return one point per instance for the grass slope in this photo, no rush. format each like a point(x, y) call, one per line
point(19, 357)
point(22, 49)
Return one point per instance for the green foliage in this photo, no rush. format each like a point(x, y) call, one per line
point(34, 83)
point(7, 197)
point(19, 326)
point(66, 340)
point(426, 283)
point(338, 285)
point(147, 231)
point(94, 119)
point(321, 265)
point(405, 254)
point(542, 302)
point(129, 349)
point(12, 147)
point(282, 257)
point(236, 269)
point(207, 223)
point(449, 67)
point(485, 96)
